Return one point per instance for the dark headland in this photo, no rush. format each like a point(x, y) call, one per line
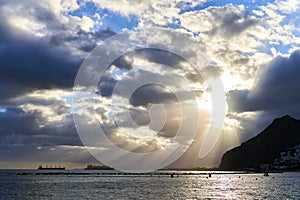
point(275, 148)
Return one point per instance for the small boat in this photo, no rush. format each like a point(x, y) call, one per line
point(266, 174)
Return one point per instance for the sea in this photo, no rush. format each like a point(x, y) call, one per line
point(83, 184)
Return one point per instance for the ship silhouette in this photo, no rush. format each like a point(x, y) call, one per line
point(51, 167)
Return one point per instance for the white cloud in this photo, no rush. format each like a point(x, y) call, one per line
point(53, 106)
point(238, 42)
point(60, 7)
point(154, 12)
point(26, 24)
point(288, 6)
point(85, 23)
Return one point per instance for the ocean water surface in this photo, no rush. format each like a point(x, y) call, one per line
point(75, 184)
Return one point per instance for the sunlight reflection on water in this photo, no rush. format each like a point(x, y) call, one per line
point(244, 186)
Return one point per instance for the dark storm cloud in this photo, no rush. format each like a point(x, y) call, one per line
point(26, 122)
point(82, 40)
point(151, 94)
point(27, 66)
point(24, 128)
point(28, 63)
point(18, 126)
point(277, 88)
point(34, 125)
point(276, 94)
point(56, 32)
point(106, 88)
point(160, 56)
point(125, 62)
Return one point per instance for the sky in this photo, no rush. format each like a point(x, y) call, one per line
point(254, 46)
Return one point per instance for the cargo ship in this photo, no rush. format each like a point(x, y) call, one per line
point(51, 168)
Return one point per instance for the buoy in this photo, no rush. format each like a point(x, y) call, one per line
point(266, 174)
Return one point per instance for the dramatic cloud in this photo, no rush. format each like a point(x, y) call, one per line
point(276, 88)
point(33, 128)
point(40, 53)
point(226, 22)
point(42, 57)
point(43, 43)
point(28, 66)
point(275, 94)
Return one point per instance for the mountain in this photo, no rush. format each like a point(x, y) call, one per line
point(266, 148)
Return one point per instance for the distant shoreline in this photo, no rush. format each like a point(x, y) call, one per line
point(116, 173)
point(108, 173)
point(216, 171)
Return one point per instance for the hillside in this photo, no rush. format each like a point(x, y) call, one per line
point(268, 147)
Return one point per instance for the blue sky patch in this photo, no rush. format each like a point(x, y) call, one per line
point(249, 4)
point(115, 21)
